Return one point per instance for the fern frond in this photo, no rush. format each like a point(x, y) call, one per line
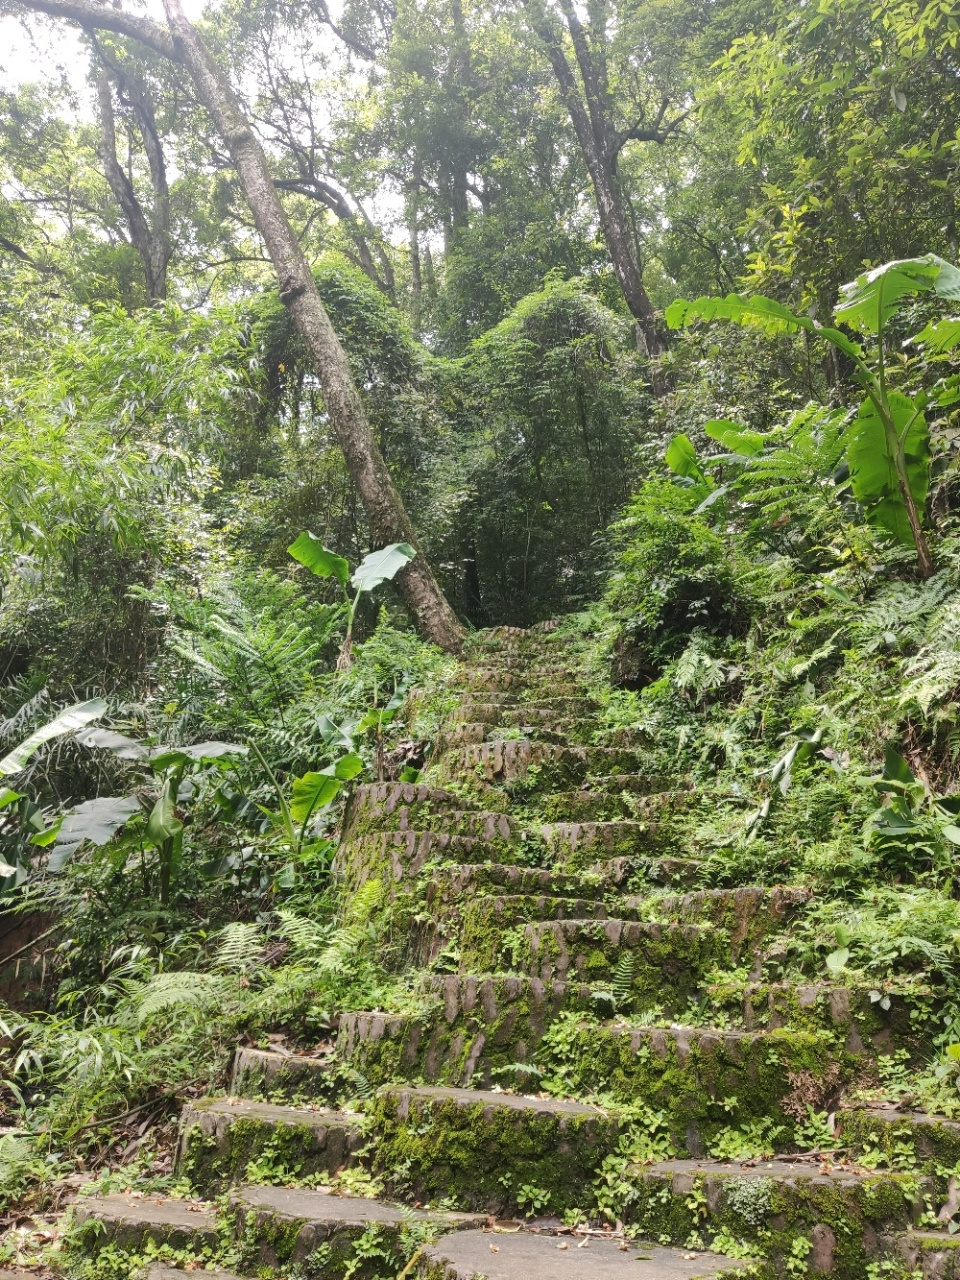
point(239, 948)
point(174, 990)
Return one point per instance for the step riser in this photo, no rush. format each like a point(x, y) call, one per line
point(843, 1221)
point(261, 1074)
point(480, 1157)
point(745, 916)
point(692, 1076)
point(930, 1146)
point(866, 1027)
point(544, 767)
point(663, 966)
point(218, 1151)
point(397, 857)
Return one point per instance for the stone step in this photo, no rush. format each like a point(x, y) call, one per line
point(662, 965)
point(911, 1140)
point(555, 681)
point(550, 766)
point(852, 1011)
point(637, 796)
point(478, 1149)
point(486, 919)
point(130, 1221)
point(747, 915)
point(277, 1074)
point(557, 730)
point(471, 1030)
point(500, 1030)
point(397, 857)
point(465, 880)
point(771, 1204)
point(223, 1139)
point(570, 711)
point(384, 806)
point(523, 1255)
point(929, 1255)
point(578, 845)
point(639, 872)
point(492, 826)
point(282, 1228)
point(167, 1271)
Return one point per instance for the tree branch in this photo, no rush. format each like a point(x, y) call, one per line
point(94, 14)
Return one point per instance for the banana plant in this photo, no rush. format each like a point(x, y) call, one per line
point(31, 829)
point(888, 449)
point(379, 566)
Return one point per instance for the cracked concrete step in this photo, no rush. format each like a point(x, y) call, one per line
point(220, 1138)
point(479, 1149)
point(855, 1012)
point(747, 915)
point(662, 965)
point(256, 1072)
point(927, 1143)
point(283, 1228)
point(130, 1220)
point(487, 918)
point(484, 1255)
point(842, 1213)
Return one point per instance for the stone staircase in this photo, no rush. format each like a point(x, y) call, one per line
point(567, 1055)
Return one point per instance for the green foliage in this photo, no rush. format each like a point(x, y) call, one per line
point(673, 577)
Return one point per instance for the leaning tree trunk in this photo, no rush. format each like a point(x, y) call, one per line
point(386, 514)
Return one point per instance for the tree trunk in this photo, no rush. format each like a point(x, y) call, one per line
point(152, 243)
point(386, 516)
point(592, 127)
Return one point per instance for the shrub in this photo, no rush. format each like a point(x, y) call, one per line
point(675, 576)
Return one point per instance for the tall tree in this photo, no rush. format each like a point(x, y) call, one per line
point(386, 515)
point(579, 56)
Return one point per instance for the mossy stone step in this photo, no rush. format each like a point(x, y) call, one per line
point(572, 711)
point(746, 914)
point(640, 797)
point(840, 1213)
point(705, 1081)
point(930, 1255)
point(578, 845)
point(489, 1151)
point(395, 857)
point(854, 1012)
point(557, 730)
point(381, 806)
point(632, 873)
point(487, 918)
point(257, 1072)
point(912, 1140)
point(130, 1220)
point(548, 764)
point(464, 880)
point(473, 1028)
point(485, 1255)
point(283, 1228)
point(220, 1138)
point(663, 965)
point(167, 1271)
point(490, 825)
point(532, 683)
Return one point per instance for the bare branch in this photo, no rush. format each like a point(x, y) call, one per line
point(103, 17)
